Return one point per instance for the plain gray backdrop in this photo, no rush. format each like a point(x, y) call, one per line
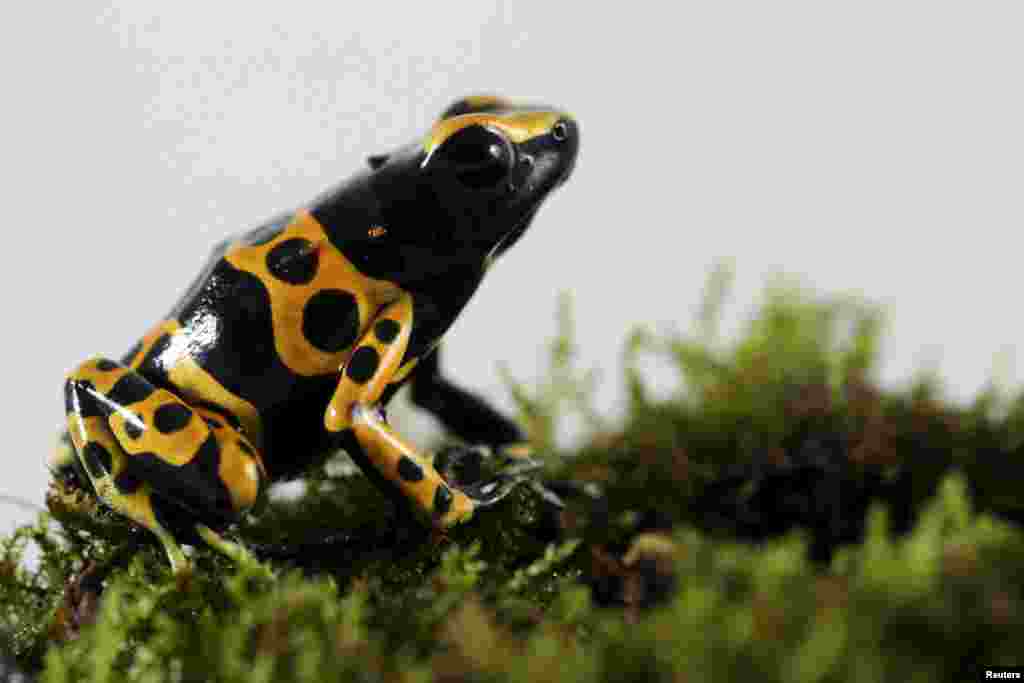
point(869, 147)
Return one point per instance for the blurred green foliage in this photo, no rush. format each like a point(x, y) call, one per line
point(818, 568)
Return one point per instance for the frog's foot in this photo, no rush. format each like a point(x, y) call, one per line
point(482, 474)
point(156, 460)
point(446, 491)
point(399, 467)
point(355, 415)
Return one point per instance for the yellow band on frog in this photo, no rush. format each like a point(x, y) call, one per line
point(518, 126)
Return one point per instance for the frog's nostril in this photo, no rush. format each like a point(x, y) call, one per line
point(560, 131)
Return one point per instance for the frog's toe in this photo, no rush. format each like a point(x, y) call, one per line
point(483, 475)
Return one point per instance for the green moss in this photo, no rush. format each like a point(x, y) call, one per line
point(780, 518)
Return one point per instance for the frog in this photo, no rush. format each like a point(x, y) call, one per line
point(295, 335)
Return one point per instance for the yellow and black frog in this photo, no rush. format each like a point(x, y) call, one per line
point(295, 335)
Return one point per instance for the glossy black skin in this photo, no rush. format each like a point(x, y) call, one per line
point(441, 238)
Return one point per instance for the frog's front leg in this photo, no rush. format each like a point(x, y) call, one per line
point(354, 413)
point(155, 459)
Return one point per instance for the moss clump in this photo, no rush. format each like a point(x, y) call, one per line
point(780, 519)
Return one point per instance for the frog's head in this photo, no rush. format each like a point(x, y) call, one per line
point(483, 170)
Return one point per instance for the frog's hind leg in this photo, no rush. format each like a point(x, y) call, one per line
point(146, 452)
point(102, 460)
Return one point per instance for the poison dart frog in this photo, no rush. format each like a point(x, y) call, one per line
point(295, 335)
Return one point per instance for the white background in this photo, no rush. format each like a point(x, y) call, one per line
point(870, 147)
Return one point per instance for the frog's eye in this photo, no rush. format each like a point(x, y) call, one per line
point(479, 156)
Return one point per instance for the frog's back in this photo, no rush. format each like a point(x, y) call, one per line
point(265, 326)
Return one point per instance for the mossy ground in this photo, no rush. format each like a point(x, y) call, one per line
point(780, 519)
